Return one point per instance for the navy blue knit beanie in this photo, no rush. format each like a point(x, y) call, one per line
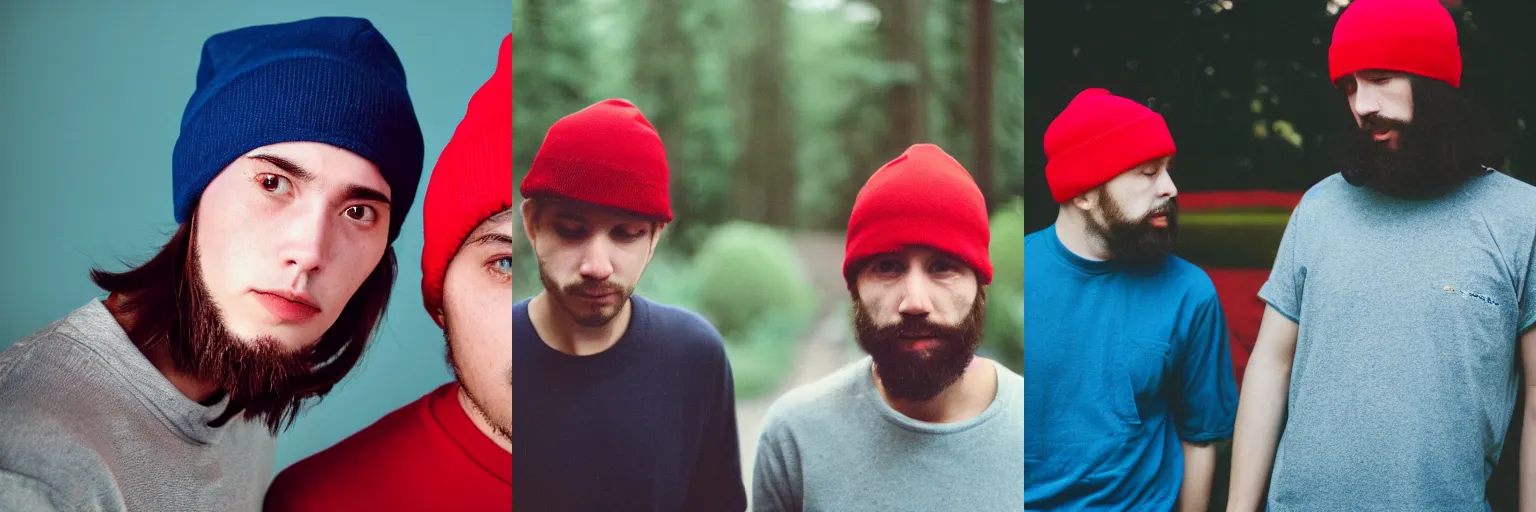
point(329, 80)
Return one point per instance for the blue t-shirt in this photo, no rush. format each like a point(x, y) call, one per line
point(1118, 367)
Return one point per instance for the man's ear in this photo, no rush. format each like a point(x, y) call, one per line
point(530, 218)
point(1086, 201)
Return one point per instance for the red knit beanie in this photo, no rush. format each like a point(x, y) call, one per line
point(607, 154)
point(472, 180)
point(922, 198)
point(1411, 36)
point(1099, 136)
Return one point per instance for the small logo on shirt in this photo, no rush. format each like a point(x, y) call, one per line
point(1472, 295)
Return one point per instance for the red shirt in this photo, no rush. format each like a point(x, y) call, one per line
point(427, 455)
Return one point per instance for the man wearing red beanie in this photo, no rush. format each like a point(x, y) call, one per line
point(922, 423)
point(631, 402)
point(1387, 353)
point(450, 449)
point(1127, 354)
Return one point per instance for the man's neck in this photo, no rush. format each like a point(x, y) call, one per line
point(561, 332)
point(961, 401)
point(477, 416)
point(197, 389)
point(1072, 230)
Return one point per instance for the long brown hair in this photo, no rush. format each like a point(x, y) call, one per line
point(164, 298)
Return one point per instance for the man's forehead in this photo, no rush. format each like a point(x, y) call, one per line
point(501, 221)
point(591, 212)
point(916, 251)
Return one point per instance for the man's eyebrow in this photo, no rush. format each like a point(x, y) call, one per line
point(298, 172)
point(490, 239)
point(353, 192)
point(365, 194)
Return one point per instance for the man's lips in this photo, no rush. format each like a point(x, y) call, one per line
point(287, 306)
point(1160, 221)
point(918, 341)
point(602, 296)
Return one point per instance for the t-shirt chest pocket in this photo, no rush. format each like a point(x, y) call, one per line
point(1139, 365)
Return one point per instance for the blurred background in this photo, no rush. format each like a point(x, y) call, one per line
point(91, 98)
point(774, 113)
point(1244, 87)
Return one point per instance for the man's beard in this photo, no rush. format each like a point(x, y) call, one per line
point(1136, 242)
point(256, 373)
point(1410, 171)
point(503, 429)
point(1448, 143)
point(585, 317)
point(919, 376)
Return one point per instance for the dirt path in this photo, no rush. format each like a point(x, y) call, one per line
point(824, 348)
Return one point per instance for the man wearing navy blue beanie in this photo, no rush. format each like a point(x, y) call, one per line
point(298, 159)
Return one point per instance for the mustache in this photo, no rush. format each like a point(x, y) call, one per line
point(1380, 123)
point(592, 288)
point(916, 327)
point(1168, 208)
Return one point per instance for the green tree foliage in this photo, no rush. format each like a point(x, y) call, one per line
point(776, 111)
point(1244, 83)
point(750, 273)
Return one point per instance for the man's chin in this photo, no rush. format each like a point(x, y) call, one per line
point(588, 315)
point(280, 338)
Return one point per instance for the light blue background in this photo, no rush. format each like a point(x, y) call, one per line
point(91, 94)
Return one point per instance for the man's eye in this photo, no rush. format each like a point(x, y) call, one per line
point(360, 213)
point(274, 184)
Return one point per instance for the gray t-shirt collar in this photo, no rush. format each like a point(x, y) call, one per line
point(865, 385)
point(180, 414)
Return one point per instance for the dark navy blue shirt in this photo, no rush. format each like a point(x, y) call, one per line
point(1119, 366)
point(647, 425)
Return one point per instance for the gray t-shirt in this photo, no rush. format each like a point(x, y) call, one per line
point(1405, 370)
point(88, 424)
point(835, 445)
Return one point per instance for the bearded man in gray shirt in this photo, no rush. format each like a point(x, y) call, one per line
point(921, 424)
point(1385, 370)
point(298, 158)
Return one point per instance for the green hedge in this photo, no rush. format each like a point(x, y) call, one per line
point(1231, 239)
point(751, 272)
point(1005, 297)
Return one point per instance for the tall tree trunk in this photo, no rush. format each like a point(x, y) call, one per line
point(957, 107)
point(764, 185)
point(664, 76)
point(981, 99)
point(900, 34)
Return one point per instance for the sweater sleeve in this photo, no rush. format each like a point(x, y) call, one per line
point(717, 485)
point(19, 492)
point(776, 471)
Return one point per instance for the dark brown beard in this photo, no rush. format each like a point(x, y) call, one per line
point(1136, 242)
point(1448, 143)
point(168, 303)
point(254, 372)
point(906, 375)
point(560, 294)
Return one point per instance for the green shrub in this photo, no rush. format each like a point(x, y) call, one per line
point(669, 280)
point(761, 357)
point(1231, 239)
point(1004, 337)
point(748, 272)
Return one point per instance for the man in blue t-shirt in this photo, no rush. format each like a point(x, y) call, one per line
point(622, 403)
point(1128, 376)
